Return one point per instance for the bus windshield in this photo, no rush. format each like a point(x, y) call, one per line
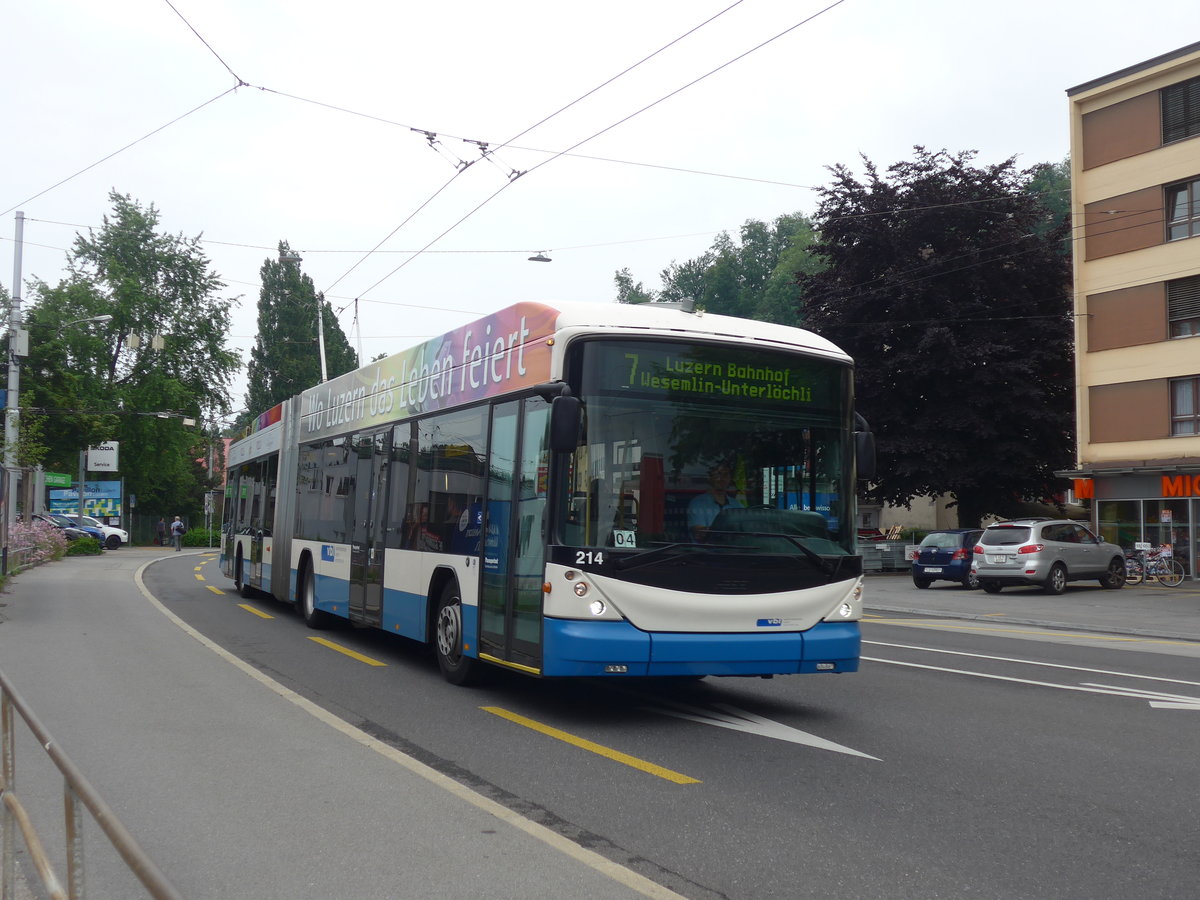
point(711, 447)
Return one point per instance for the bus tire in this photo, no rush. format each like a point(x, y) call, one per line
point(457, 668)
point(239, 578)
point(306, 599)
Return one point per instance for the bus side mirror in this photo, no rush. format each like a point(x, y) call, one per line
point(564, 424)
point(864, 454)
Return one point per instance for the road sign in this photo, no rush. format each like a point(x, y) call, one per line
point(103, 457)
point(57, 480)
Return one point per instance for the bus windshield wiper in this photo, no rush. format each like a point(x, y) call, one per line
point(658, 554)
point(827, 565)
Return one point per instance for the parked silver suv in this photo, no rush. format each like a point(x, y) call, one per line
point(1049, 552)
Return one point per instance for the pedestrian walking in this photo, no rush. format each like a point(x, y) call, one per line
point(177, 530)
point(160, 532)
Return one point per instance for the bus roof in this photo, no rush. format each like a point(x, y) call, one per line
point(511, 350)
point(669, 317)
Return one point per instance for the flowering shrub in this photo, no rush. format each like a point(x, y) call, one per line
point(34, 543)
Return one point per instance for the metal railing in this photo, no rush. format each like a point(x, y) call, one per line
point(76, 791)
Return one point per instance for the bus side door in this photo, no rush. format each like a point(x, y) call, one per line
point(367, 523)
point(514, 551)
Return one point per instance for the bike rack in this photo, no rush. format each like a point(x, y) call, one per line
point(76, 790)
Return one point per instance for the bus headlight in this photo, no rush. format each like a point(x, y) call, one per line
point(581, 588)
point(849, 608)
point(597, 608)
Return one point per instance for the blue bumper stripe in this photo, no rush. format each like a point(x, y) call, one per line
point(577, 648)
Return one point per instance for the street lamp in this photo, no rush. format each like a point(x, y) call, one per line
point(105, 318)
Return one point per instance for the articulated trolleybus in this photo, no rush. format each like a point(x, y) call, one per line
point(597, 490)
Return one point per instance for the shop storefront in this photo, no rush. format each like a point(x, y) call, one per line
point(1160, 508)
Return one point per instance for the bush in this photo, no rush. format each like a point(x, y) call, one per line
point(84, 546)
point(35, 543)
point(202, 537)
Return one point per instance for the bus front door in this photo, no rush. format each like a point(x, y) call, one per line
point(371, 454)
point(514, 553)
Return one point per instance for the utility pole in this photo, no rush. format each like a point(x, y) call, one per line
point(16, 344)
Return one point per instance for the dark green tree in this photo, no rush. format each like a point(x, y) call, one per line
point(1051, 184)
point(754, 278)
point(285, 358)
point(140, 377)
point(947, 283)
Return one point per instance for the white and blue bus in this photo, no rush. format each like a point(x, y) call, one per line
point(596, 490)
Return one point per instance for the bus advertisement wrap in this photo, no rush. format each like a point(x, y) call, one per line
point(496, 355)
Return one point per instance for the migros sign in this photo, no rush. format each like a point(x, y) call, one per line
point(1181, 485)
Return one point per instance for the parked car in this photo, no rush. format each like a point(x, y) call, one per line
point(946, 556)
point(69, 531)
point(113, 537)
point(1047, 552)
point(67, 522)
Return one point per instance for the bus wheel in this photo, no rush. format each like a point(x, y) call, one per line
point(239, 579)
point(448, 639)
point(237, 574)
point(306, 600)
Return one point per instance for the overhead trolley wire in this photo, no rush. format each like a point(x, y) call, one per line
point(485, 152)
point(122, 150)
point(632, 115)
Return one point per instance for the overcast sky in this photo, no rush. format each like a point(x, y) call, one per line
point(317, 146)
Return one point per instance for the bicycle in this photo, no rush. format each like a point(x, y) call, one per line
point(1153, 565)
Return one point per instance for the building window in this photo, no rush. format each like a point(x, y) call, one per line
point(1183, 306)
point(1183, 210)
point(1185, 405)
point(1180, 110)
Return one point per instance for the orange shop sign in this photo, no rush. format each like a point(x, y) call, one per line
point(1181, 485)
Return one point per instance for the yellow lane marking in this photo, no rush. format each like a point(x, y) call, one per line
point(258, 612)
point(346, 650)
point(583, 744)
point(200, 577)
point(215, 590)
point(936, 624)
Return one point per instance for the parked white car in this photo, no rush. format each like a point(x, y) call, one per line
point(113, 537)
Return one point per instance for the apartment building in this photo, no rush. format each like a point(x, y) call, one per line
point(1135, 176)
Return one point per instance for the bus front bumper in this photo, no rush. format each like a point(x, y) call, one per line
point(577, 648)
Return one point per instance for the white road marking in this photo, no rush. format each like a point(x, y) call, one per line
point(1081, 688)
point(1162, 701)
point(740, 720)
point(1032, 662)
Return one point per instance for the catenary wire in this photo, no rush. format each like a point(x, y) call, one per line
point(237, 78)
point(122, 150)
point(632, 115)
point(459, 170)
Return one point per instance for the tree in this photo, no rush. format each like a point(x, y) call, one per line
point(628, 292)
point(753, 278)
point(946, 282)
point(285, 359)
point(136, 378)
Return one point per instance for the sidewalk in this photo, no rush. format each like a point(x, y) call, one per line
point(231, 784)
point(1143, 610)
